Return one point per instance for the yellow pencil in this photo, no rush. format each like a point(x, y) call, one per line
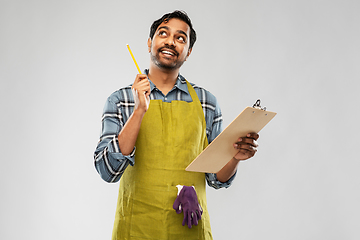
point(137, 66)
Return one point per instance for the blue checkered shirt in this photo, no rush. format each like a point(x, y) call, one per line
point(110, 163)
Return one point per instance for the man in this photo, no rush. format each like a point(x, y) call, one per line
point(165, 136)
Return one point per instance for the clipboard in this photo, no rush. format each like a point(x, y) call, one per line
point(220, 151)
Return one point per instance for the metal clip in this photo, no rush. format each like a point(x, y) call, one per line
point(257, 105)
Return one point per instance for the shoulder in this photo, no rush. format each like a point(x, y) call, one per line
point(119, 100)
point(122, 95)
point(205, 96)
point(201, 91)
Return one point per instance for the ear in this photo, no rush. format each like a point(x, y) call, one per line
point(149, 44)
point(188, 54)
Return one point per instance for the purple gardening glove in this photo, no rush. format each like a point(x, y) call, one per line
point(187, 202)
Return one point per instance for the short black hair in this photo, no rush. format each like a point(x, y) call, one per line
point(181, 15)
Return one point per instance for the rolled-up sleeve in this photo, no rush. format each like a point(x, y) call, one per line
point(110, 163)
point(212, 181)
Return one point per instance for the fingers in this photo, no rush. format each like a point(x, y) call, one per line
point(142, 87)
point(247, 142)
point(189, 219)
point(185, 220)
point(199, 212)
point(247, 146)
point(241, 144)
point(194, 220)
point(244, 154)
point(177, 205)
point(253, 135)
point(141, 84)
point(141, 92)
point(139, 77)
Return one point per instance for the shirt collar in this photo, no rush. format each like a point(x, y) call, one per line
point(180, 83)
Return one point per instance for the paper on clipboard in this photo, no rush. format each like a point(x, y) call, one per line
point(220, 151)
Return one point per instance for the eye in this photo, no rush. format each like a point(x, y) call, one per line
point(162, 33)
point(181, 39)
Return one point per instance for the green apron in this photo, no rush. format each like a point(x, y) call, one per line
point(170, 137)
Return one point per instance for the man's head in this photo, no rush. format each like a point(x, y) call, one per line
point(171, 40)
point(178, 15)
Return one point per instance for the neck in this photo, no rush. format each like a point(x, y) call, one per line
point(163, 79)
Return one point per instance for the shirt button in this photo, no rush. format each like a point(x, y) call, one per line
point(165, 98)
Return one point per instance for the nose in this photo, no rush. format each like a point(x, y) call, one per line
point(170, 41)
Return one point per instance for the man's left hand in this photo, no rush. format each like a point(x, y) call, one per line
point(247, 146)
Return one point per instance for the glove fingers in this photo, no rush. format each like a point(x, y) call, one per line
point(195, 219)
point(177, 205)
point(179, 210)
point(185, 218)
point(189, 219)
point(198, 214)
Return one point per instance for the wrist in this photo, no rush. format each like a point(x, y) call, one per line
point(139, 112)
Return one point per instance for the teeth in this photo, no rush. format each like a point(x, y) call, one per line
point(167, 52)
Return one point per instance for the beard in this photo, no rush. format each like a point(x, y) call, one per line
point(155, 58)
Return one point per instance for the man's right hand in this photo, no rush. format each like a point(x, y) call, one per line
point(141, 92)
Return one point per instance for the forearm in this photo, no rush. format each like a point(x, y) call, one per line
point(228, 170)
point(128, 135)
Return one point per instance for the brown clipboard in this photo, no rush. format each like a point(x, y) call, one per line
point(220, 151)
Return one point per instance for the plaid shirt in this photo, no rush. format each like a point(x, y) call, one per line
point(109, 161)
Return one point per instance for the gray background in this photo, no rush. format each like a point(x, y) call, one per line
point(60, 60)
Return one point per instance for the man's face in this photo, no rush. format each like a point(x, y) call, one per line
point(169, 47)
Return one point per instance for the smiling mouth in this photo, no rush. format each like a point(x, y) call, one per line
point(168, 52)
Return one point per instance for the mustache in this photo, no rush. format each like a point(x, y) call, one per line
point(169, 47)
